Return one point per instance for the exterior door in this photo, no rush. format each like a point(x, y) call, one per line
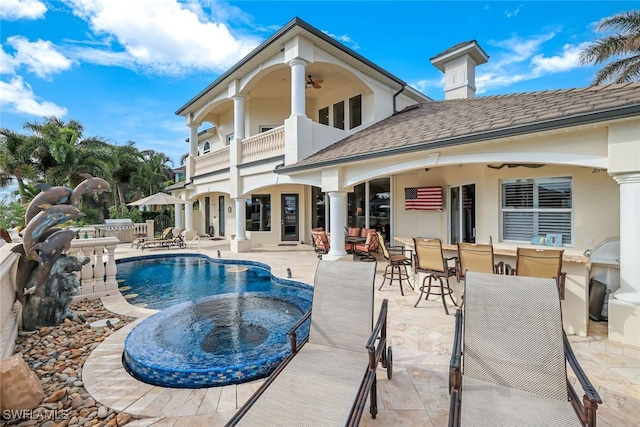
point(462, 214)
point(221, 216)
point(289, 230)
point(208, 225)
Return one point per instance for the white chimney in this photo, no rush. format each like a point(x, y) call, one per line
point(458, 64)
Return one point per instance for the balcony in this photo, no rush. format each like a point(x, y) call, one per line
point(211, 162)
point(263, 145)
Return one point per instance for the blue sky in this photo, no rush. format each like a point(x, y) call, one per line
point(123, 67)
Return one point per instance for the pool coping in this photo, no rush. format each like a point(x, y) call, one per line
point(108, 383)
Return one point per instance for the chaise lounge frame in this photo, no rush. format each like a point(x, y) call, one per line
point(326, 380)
point(509, 358)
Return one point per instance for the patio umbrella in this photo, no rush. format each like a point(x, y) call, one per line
point(159, 199)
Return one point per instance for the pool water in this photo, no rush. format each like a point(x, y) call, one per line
point(224, 322)
point(159, 282)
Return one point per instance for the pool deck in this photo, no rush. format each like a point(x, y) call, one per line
point(421, 339)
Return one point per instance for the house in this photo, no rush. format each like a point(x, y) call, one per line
point(304, 132)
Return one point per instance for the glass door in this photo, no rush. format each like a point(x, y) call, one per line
point(221, 216)
point(462, 214)
point(289, 215)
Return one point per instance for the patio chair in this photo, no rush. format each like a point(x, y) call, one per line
point(320, 241)
point(326, 381)
point(430, 260)
point(140, 240)
point(174, 239)
point(364, 249)
point(509, 359)
point(545, 263)
point(476, 257)
point(396, 258)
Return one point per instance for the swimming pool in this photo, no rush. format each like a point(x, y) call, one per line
point(229, 328)
point(160, 281)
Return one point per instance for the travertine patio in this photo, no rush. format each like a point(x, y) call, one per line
point(421, 339)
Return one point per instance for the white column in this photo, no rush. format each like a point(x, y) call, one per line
point(241, 224)
point(188, 218)
point(629, 237)
point(178, 215)
point(193, 140)
point(338, 207)
point(298, 67)
point(238, 117)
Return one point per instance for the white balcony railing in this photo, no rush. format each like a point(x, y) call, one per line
point(211, 162)
point(98, 277)
point(263, 145)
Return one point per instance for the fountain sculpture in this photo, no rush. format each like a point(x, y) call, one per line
point(46, 279)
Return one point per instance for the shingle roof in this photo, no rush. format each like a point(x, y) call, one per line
point(459, 121)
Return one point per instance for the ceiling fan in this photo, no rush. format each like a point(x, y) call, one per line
point(310, 83)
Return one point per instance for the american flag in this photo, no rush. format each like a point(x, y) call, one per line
point(423, 198)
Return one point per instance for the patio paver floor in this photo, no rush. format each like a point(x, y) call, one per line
point(420, 337)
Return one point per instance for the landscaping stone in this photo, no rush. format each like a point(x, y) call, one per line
point(56, 355)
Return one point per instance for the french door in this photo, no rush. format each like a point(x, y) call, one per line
point(462, 214)
point(289, 230)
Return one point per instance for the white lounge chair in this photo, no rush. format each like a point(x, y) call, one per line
point(325, 382)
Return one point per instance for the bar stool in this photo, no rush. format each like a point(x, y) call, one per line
point(431, 261)
point(395, 258)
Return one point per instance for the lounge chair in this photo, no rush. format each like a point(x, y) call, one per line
point(509, 359)
point(174, 239)
point(138, 241)
point(325, 382)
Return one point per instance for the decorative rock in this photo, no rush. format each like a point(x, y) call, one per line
point(103, 412)
point(78, 384)
point(102, 323)
point(56, 396)
point(77, 402)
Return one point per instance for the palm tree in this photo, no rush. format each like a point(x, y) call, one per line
point(64, 154)
point(152, 175)
point(623, 48)
point(16, 161)
point(128, 159)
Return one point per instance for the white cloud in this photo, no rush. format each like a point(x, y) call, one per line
point(12, 10)
point(17, 96)
point(40, 57)
point(7, 63)
point(345, 39)
point(162, 36)
point(519, 59)
point(425, 84)
point(512, 13)
point(567, 60)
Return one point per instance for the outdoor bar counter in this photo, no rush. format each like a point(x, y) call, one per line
point(575, 306)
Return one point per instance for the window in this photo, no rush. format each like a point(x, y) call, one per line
point(535, 207)
point(338, 115)
point(265, 128)
point(323, 116)
point(259, 213)
point(355, 111)
point(207, 147)
point(230, 138)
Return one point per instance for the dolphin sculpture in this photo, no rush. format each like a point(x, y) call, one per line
point(49, 195)
point(90, 184)
point(43, 221)
point(48, 252)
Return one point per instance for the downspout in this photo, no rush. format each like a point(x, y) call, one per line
point(396, 95)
